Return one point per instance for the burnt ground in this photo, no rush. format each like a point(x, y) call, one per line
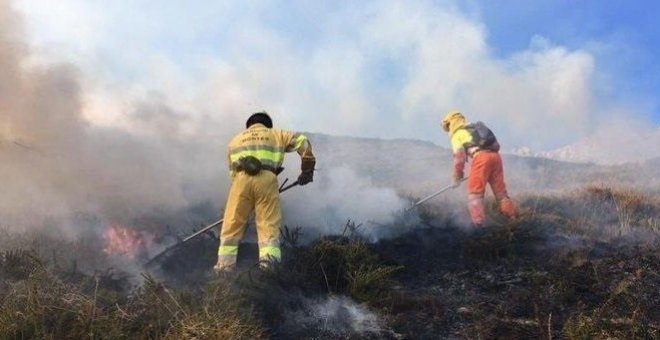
point(585, 265)
point(521, 282)
point(528, 279)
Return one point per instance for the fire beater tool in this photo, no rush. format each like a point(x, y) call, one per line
point(451, 186)
point(416, 204)
point(160, 255)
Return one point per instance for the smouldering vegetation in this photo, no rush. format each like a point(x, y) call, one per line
point(579, 265)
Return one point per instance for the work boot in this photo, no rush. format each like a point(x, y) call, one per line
point(508, 208)
point(267, 265)
point(223, 269)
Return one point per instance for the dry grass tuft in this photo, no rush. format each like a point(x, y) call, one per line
point(36, 303)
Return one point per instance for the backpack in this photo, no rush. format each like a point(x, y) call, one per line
point(482, 137)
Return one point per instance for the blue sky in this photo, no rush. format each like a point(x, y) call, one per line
point(633, 25)
point(542, 73)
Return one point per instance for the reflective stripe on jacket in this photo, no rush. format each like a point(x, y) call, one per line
point(267, 145)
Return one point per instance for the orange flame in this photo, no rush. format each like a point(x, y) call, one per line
point(121, 240)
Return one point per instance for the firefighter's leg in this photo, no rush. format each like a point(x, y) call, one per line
point(497, 184)
point(476, 189)
point(237, 210)
point(268, 217)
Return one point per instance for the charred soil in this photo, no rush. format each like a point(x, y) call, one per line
point(579, 265)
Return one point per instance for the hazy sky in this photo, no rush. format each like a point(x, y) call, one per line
point(541, 73)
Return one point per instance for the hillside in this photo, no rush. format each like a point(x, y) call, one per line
point(413, 167)
point(581, 262)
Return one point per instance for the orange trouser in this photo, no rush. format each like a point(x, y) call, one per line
point(487, 168)
point(251, 193)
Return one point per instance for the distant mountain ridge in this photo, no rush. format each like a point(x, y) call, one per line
point(605, 148)
point(417, 167)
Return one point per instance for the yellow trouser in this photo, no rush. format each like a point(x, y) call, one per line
point(247, 193)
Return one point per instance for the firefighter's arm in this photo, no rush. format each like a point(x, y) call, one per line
point(307, 160)
point(459, 165)
point(299, 143)
point(458, 140)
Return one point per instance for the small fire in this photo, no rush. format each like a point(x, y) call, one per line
point(124, 241)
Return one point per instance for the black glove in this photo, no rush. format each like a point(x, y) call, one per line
point(305, 177)
point(307, 170)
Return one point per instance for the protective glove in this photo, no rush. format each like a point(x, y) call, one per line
point(306, 177)
point(307, 170)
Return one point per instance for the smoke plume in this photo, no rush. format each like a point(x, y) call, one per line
point(339, 194)
point(162, 163)
point(336, 316)
point(56, 165)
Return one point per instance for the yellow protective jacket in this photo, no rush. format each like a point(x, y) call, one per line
point(461, 143)
point(267, 145)
point(258, 193)
point(459, 137)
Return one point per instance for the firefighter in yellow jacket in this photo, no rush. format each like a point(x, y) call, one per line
point(255, 158)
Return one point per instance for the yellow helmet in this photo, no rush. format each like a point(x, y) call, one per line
point(452, 116)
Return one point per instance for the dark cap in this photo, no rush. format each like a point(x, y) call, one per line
point(259, 118)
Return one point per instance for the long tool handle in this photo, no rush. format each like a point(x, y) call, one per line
point(209, 227)
point(285, 188)
point(451, 186)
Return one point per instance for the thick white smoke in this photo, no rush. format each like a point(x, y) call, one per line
point(337, 316)
point(337, 195)
point(56, 165)
point(80, 139)
point(376, 69)
point(160, 162)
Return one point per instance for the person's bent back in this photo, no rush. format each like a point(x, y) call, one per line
point(255, 158)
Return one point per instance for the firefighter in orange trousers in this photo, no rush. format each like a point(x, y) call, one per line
point(255, 159)
point(478, 142)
